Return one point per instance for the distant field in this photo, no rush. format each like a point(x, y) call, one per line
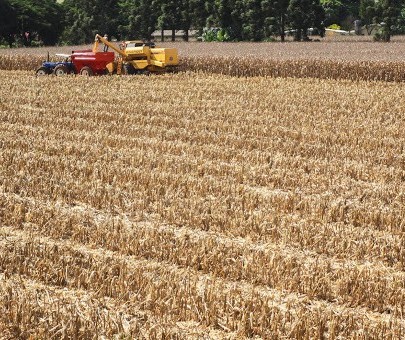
point(335, 48)
point(330, 59)
point(192, 205)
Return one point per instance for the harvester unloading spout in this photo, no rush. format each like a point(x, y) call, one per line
point(99, 39)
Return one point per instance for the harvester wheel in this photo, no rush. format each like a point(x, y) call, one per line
point(60, 70)
point(145, 72)
point(86, 71)
point(42, 71)
point(129, 69)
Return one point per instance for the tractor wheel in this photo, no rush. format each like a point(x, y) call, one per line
point(86, 71)
point(42, 71)
point(60, 70)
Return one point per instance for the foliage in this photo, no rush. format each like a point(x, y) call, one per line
point(252, 21)
point(169, 17)
point(138, 19)
point(391, 10)
point(26, 20)
point(215, 34)
point(384, 14)
point(85, 18)
point(334, 27)
point(342, 12)
point(199, 14)
point(304, 14)
point(8, 22)
point(333, 10)
point(277, 12)
point(76, 21)
point(400, 25)
point(368, 14)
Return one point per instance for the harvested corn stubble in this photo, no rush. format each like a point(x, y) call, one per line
point(236, 207)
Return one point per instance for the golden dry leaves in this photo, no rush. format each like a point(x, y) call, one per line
point(190, 205)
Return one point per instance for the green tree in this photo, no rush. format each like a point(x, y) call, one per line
point(400, 27)
point(390, 13)
point(318, 13)
point(341, 12)
point(8, 22)
point(238, 18)
point(298, 17)
point(85, 18)
point(275, 17)
point(79, 23)
point(138, 18)
point(224, 13)
point(304, 14)
point(186, 17)
point(368, 14)
point(169, 16)
point(200, 11)
point(212, 12)
point(230, 15)
point(334, 11)
point(281, 11)
point(385, 13)
point(49, 25)
point(253, 21)
point(269, 20)
point(38, 18)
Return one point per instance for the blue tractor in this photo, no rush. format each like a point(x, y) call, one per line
point(58, 68)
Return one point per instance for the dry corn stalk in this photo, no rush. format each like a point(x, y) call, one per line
point(231, 209)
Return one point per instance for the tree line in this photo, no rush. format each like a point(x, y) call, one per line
point(48, 22)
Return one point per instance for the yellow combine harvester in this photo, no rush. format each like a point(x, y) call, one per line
point(138, 57)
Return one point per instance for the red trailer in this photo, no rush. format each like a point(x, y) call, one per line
point(87, 62)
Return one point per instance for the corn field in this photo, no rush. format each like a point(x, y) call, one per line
point(390, 71)
point(201, 205)
point(349, 48)
point(360, 60)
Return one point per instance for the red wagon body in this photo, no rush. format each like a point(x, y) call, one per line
point(86, 60)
